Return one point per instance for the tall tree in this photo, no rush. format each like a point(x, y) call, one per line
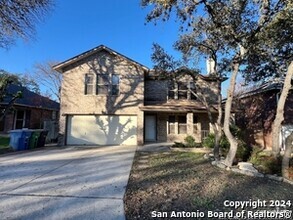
point(237, 23)
point(18, 19)
point(272, 56)
point(204, 40)
point(7, 79)
point(48, 77)
point(172, 69)
point(22, 81)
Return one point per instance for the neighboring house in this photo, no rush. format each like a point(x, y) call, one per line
point(257, 110)
point(110, 99)
point(30, 111)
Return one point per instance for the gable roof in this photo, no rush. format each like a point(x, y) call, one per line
point(30, 99)
point(59, 67)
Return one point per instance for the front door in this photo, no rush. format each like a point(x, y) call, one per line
point(150, 128)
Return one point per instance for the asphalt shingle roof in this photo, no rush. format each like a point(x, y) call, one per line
point(31, 99)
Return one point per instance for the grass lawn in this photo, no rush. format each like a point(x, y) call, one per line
point(176, 181)
point(4, 145)
point(4, 141)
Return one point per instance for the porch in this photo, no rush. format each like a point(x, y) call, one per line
point(175, 126)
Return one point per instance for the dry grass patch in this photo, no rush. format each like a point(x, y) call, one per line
point(180, 181)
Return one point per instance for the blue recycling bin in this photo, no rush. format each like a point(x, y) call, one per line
point(15, 135)
point(25, 139)
point(19, 139)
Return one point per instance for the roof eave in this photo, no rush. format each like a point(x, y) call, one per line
point(32, 106)
point(60, 67)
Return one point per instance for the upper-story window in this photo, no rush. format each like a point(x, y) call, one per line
point(102, 84)
point(115, 84)
point(107, 84)
point(182, 90)
point(89, 84)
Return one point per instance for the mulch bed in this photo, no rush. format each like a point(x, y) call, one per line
point(182, 181)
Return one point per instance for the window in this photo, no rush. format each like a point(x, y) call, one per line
point(172, 124)
point(89, 84)
point(192, 91)
point(102, 84)
point(182, 127)
point(177, 120)
point(182, 90)
point(115, 85)
point(107, 84)
point(172, 91)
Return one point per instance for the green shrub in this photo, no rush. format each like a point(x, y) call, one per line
point(209, 141)
point(256, 153)
point(269, 164)
point(189, 141)
point(243, 151)
point(265, 163)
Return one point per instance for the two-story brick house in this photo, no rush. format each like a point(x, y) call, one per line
point(109, 99)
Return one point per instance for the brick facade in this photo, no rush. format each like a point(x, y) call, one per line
point(256, 114)
point(34, 118)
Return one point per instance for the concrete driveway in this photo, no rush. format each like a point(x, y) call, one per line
point(67, 183)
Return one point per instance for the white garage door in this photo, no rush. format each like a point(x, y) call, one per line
point(101, 130)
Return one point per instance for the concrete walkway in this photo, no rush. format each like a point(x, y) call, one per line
point(155, 147)
point(68, 183)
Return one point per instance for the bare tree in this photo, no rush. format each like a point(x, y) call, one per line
point(48, 77)
point(18, 19)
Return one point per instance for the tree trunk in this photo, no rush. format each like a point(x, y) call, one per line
point(287, 156)
point(232, 140)
point(218, 133)
point(218, 136)
point(276, 127)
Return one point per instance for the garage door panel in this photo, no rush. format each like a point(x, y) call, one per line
point(102, 130)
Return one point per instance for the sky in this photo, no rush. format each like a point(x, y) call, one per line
point(75, 26)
